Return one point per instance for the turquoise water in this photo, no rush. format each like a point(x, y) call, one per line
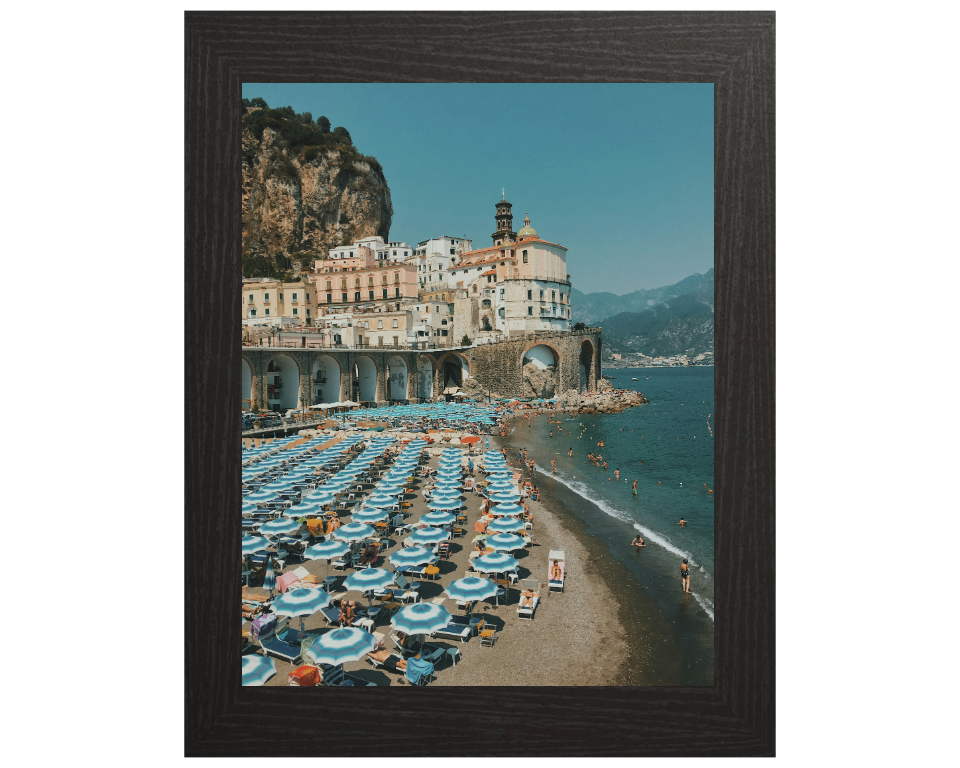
point(667, 447)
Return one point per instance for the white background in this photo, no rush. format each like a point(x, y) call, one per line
point(866, 379)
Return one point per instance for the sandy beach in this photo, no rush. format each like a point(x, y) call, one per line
point(587, 635)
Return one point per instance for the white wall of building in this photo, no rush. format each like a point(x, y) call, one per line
point(327, 391)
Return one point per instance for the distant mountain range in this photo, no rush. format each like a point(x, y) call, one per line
point(662, 322)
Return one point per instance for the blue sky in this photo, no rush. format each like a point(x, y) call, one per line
point(620, 174)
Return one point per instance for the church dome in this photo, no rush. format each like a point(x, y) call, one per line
point(527, 230)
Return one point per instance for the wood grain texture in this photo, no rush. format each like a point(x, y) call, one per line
point(735, 52)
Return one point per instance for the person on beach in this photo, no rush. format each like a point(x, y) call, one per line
point(685, 576)
point(555, 573)
point(638, 542)
point(348, 609)
point(682, 523)
point(553, 464)
point(526, 598)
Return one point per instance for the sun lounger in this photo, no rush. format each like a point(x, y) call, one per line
point(277, 643)
point(556, 556)
point(335, 676)
point(390, 665)
point(527, 612)
point(455, 630)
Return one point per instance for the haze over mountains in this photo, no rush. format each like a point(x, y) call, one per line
point(660, 322)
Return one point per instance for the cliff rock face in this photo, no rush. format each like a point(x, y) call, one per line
point(299, 204)
point(539, 382)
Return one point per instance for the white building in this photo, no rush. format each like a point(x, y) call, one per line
point(434, 257)
point(393, 251)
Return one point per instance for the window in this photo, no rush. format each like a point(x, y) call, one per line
point(253, 312)
point(380, 325)
point(343, 283)
point(371, 295)
point(529, 310)
point(369, 279)
point(266, 297)
point(501, 293)
point(251, 298)
point(501, 312)
point(553, 295)
point(541, 295)
point(266, 311)
point(329, 295)
point(294, 311)
point(395, 323)
point(356, 296)
point(394, 253)
point(344, 296)
point(308, 311)
point(328, 285)
point(396, 341)
point(384, 281)
point(351, 253)
point(443, 333)
point(529, 295)
point(474, 287)
point(453, 251)
point(488, 278)
point(356, 283)
point(443, 297)
point(437, 308)
point(306, 296)
point(561, 298)
point(396, 277)
point(281, 297)
point(384, 293)
point(524, 257)
point(293, 297)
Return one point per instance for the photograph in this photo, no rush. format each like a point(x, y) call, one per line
point(477, 384)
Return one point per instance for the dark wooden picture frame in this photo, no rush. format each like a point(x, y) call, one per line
point(735, 52)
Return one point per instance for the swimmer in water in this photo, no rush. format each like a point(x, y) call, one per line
point(638, 542)
point(616, 474)
point(553, 463)
point(551, 434)
point(634, 487)
point(682, 522)
point(570, 454)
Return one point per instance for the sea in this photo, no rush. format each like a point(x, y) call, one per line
point(667, 447)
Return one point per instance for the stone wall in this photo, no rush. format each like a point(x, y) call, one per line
point(496, 367)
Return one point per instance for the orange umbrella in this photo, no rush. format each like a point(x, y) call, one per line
point(469, 439)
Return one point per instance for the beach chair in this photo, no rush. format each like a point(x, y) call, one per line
point(557, 556)
point(459, 629)
point(282, 642)
point(335, 676)
point(488, 636)
point(390, 665)
point(528, 612)
point(419, 671)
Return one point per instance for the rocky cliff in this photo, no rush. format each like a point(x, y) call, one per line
point(299, 201)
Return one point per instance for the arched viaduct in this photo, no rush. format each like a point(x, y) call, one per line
point(279, 378)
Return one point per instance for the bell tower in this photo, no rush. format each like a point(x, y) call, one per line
point(504, 219)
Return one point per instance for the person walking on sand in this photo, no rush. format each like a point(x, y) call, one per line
point(685, 576)
point(638, 542)
point(553, 464)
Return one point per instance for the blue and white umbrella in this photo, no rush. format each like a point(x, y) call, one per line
point(270, 577)
point(251, 544)
point(411, 556)
point(261, 497)
point(381, 500)
point(353, 532)
point(303, 509)
point(326, 551)
point(505, 525)
point(506, 509)
point(438, 518)
point(368, 580)
point(498, 562)
point(506, 497)
point(279, 527)
point(504, 541)
point(391, 489)
point(247, 507)
point(471, 588)
point(256, 669)
point(428, 536)
point(370, 516)
point(301, 602)
point(420, 619)
point(341, 646)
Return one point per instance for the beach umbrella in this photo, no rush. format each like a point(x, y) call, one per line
point(506, 509)
point(270, 577)
point(279, 526)
point(353, 532)
point(428, 536)
point(420, 619)
point(444, 505)
point(370, 516)
point(505, 525)
point(498, 562)
point(411, 556)
point(391, 489)
point(251, 544)
point(261, 497)
point(368, 580)
point(340, 646)
point(326, 551)
point(301, 602)
point(256, 669)
point(471, 588)
point(247, 507)
point(501, 486)
point(506, 497)
point(380, 500)
point(504, 541)
point(438, 518)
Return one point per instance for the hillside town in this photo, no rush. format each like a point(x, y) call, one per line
point(373, 294)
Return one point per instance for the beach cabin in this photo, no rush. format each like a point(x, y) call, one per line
point(556, 569)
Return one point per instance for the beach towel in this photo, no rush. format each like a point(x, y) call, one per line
point(286, 581)
point(263, 625)
point(250, 596)
point(315, 526)
point(417, 668)
point(304, 676)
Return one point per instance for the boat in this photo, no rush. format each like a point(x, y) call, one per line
point(634, 379)
point(648, 377)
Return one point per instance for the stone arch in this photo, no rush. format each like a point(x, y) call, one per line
point(398, 378)
point(326, 376)
point(540, 370)
point(283, 383)
point(588, 374)
point(453, 368)
point(366, 379)
point(246, 384)
point(426, 371)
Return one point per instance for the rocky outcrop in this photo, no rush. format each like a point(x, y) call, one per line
point(603, 385)
point(297, 204)
point(538, 382)
point(601, 402)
